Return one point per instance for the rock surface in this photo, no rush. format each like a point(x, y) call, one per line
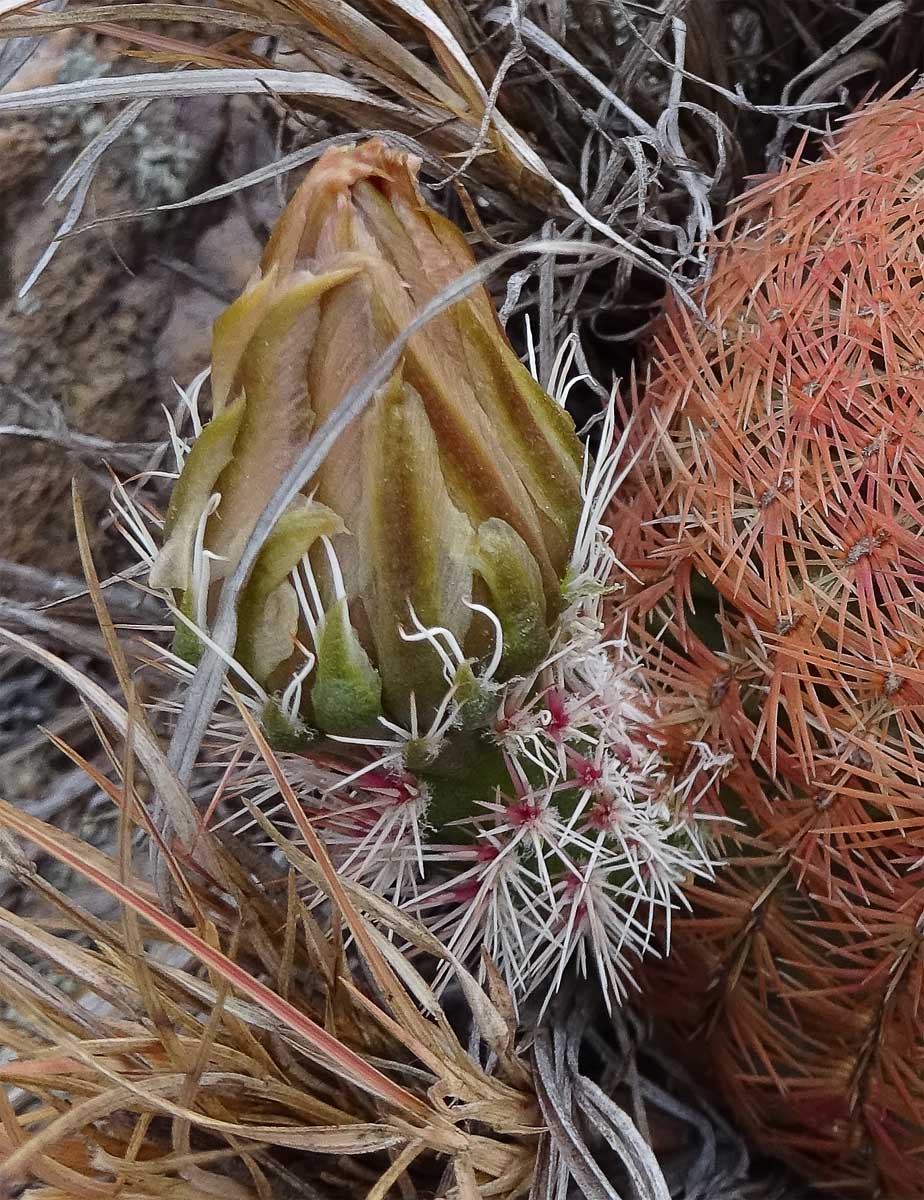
point(118, 311)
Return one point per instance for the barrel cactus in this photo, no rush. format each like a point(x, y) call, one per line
point(421, 634)
point(775, 529)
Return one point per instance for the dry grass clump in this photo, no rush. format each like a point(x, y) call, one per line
point(571, 121)
point(623, 126)
point(243, 1043)
point(221, 1048)
point(229, 1037)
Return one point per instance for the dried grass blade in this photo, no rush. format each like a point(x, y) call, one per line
point(232, 81)
point(30, 1156)
point(70, 958)
point(531, 32)
point(618, 1129)
point(94, 150)
point(176, 800)
point(289, 162)
point(68, 633)
point(387, 1181)
point(73, 845)
point(115, 794)
point(326, 1049)
point(14, 57)
point(568, 1142)
point(350, 28)
point(458, 64)
point(382, 972)
point(120, 666)
point(106, 626)
point(7, 6)
point(43, 22)
point(351, 1138)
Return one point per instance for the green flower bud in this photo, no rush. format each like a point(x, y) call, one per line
point(444, 516)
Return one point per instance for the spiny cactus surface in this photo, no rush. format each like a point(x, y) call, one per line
point(776, 531)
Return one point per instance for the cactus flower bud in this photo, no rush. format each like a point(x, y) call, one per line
point(425, 632)
point(445, 515)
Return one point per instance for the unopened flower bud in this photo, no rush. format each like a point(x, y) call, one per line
point(425, 633)
point(434, 539)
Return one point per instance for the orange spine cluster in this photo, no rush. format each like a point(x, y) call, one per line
point(781, 571)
